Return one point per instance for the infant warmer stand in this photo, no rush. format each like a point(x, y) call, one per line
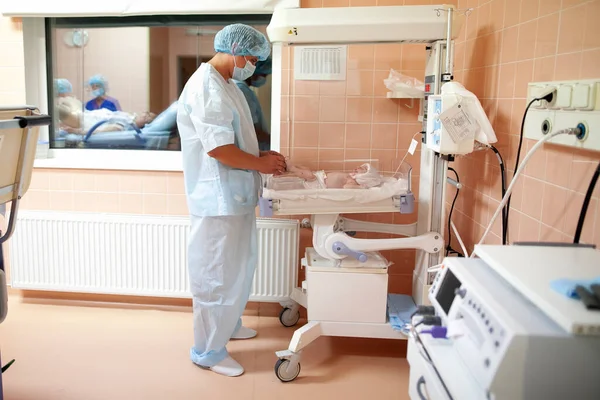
point(346, 287)
point(19, 128)
point(435, 26)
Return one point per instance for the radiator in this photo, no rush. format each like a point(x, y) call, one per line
point(134, 255)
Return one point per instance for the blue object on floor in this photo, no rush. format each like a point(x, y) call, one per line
point(400, 308)
point(566, 287)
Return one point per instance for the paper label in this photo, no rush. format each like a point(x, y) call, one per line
point(413, 147)
point(459, 123)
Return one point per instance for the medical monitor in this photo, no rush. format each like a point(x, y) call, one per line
point(443, 290)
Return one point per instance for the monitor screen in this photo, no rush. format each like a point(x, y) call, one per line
point(445, 294)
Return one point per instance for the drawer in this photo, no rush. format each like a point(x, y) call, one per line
point(347, 296)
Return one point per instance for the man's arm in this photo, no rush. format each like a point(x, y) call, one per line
point(233, 157)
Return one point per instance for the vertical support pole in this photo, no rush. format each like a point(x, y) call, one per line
point(448, 69)
point(432, 183)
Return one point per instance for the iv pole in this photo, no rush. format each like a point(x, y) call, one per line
point(432, 183)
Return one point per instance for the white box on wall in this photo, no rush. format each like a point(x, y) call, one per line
point(320, 63)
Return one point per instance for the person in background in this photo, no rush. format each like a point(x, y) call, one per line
point(69, 108)
point(263, 69)
point(63, 87)
point(221, 166)
point(99, 87)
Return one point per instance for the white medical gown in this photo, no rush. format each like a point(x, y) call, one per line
point(212, 113)
point(222, 247)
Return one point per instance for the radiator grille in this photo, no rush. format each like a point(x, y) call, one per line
point(133, 255)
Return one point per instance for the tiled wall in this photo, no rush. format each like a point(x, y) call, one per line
point(506, 44)
point(107, 191)
point(12, 73)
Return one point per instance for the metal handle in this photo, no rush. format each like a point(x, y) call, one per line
point(341, 249)
point(454, 183)
point(34, 120)
point(421, 382)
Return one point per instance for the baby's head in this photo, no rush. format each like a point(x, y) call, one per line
point(363, 169)
point(366, 176)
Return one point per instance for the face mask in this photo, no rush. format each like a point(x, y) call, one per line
point(259, 81)
point(241, 74)
point(98, 92)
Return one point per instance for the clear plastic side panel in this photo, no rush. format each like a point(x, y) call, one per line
point(355, 174)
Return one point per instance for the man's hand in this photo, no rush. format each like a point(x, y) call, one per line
point(271, 162)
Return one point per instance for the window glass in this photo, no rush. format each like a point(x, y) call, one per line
point(116, 84)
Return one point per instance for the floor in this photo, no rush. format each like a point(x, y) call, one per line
point(94, 352)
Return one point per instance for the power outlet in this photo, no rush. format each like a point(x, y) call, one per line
point(573, 103)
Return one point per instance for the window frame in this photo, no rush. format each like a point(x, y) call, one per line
point(39, 91)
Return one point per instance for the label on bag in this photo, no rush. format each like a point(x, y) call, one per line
point(413, 147)
point(459, 122)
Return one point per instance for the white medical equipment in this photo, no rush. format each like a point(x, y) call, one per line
point(19, 128)
point(509, 334)
point(343, 299)
point(456, 121)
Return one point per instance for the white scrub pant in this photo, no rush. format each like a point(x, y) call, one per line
point(222, 258)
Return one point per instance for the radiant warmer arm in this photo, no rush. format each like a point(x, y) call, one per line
point(351, 225)
point(331, 243)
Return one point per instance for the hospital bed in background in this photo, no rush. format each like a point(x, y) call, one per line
point(153, 136)
point(19, 129)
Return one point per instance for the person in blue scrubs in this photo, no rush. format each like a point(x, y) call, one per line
point(99, 87)
point(263, 69)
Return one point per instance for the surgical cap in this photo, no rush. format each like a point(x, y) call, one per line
point(243, 40)
point(63, 86)
point(264, 67)
point(99, 80)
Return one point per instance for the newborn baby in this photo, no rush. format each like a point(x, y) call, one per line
point(363, 177)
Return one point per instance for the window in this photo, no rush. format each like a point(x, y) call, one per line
point(114, 81)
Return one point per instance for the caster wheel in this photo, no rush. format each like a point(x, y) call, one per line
point(282, 372)
point(288, 318)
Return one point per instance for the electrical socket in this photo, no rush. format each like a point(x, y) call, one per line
point(541, 91)
point(573, 103)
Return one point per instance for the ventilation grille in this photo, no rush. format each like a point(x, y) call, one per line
point(320, 63)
